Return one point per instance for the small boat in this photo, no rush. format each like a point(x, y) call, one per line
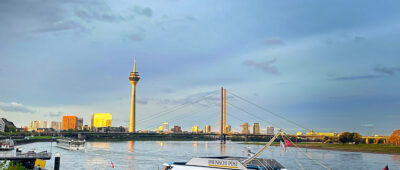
point(228, 162)
point(71, 144)
point(6, 145)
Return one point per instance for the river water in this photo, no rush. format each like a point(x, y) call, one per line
point(152, 154)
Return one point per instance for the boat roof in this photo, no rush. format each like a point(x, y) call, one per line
point(233, 162)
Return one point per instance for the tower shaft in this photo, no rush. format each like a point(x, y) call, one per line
point(224, 111)
point(134, 79)
point(132, 120)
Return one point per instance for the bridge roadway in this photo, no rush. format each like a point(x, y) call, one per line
point(178, 136)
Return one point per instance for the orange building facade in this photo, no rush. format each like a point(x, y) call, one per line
point(69, 122)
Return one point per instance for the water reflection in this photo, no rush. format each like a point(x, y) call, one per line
point(100, 145)
point(396, 158)
point(194, 146)
point(149, 155)
point(131, 146)
point(222, 148)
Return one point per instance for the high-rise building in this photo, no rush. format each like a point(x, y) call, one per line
point(35, 124)
point(165, 126)
point(228, 129)
point(245, 128)
point(176, 129)
point(2, 125)
point(79, 124)
point(134, 79)
point(195, 129)
point(256, 128)
point(270, 130)
point(43, 124)
point(101, 120)
point(55, 125)
point(207, 129)
point(69, 122)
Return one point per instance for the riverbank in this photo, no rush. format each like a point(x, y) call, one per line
point(366, 148)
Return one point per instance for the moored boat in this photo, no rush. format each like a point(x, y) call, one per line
point(71, 144)
point(228, 162)
point(6, 145)
point(224, 162)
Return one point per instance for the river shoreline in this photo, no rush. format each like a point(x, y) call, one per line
point(365, 148)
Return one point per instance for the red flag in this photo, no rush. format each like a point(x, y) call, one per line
point(112, 165)
point(386, 167)
point(288, 143)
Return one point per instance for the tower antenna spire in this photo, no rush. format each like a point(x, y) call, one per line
point(134, 64)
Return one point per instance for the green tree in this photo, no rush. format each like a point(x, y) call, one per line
point(10, 165)
point(356, 138)
point(345, 137)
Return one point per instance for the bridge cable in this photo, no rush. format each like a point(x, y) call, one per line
point(258, 117)
point(197, 111)
point(306, 154)
point(262, 108)
point(178, 107)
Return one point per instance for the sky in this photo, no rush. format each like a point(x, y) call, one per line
point(331, 66)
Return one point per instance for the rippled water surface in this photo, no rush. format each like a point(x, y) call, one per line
point(151, 155)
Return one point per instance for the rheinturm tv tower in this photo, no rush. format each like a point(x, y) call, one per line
point(134, 78)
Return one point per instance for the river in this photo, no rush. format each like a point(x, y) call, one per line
point(152, 154)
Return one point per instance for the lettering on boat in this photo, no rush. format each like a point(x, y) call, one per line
point(223, 163)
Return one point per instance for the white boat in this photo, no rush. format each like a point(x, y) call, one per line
point(71, 144)
point(227, 162)
point(214, 163)
point(6, 145)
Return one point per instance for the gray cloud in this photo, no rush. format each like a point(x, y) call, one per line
point(203, 98)
point(51, 114)
point(15, 107)
point(99, 15)
point(143, 11)
point(24, 18)
point(387, 70)
point(142, 101)
point(274, 41)
point(356, 77)
point(264, 66)
point(61, 26)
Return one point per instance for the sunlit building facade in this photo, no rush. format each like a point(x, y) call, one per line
point(101, 120)
point(69, 122)
point(176, 129)
point(270, 130)
point(245, 128)
point(43, 124)
point(312, 133)
point(228, 129)
point(165, 126)
point(195, 129)
point(256, 128)
point(55, 125)
point(207, 129)
point(79, 124)
point(35, 124)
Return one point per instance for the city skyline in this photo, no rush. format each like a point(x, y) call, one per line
point(332, 73)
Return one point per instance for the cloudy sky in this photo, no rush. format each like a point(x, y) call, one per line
point(329, 66)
